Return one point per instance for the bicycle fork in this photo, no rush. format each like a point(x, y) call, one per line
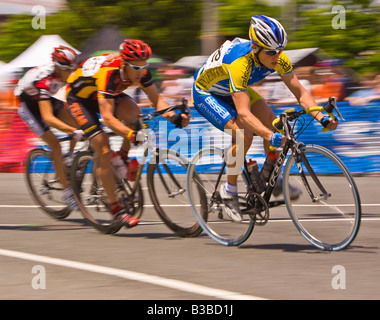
point(300, 158)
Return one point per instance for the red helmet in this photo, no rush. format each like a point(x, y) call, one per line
point(64, 57)
point(135, 50)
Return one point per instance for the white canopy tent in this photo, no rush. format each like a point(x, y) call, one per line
point(37, 54)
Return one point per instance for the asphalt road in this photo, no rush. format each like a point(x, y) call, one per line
point(42, 258)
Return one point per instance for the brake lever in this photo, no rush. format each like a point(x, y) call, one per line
point(332, 102)
point(186, 108)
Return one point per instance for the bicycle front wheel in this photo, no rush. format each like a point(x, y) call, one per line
point(167, 188)
point(328, 212)
point(44, 185)
point(206, 174)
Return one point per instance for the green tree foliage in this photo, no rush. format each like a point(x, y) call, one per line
point(235, 16)
point(173, 27)
point(355, 37)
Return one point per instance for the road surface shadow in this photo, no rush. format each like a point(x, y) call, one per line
point(305, 248)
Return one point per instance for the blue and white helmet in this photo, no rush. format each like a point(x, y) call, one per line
point(267, 33)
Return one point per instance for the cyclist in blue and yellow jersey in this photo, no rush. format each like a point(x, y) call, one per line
point(222, 94)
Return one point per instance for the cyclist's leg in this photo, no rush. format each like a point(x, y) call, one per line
point(56, 152)
point(220, 113)
point(266, 115)
point(127, 111)
point(64, 115)
point(262, 111)
point(101, 146)
point(88, 120)
point(30, 113)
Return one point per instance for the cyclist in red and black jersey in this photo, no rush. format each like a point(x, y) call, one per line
point(97, 86)
point(40, 110)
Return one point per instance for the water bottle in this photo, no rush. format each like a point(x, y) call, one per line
point(132, 165)
point(268, 166)
point(119, 165)
point(258, 182)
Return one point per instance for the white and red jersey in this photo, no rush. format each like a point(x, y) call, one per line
point(39, 83)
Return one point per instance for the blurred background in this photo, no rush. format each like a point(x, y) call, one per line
point(333, 45)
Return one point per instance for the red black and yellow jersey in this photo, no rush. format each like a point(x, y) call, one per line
point(101, 77)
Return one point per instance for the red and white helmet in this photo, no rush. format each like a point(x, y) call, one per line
point(64, 57)
point(134, 50)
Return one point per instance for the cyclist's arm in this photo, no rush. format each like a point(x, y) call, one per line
point(46, 110)
point(106, 109)
point(243, 108)
point(159, 103)
point(304, 98)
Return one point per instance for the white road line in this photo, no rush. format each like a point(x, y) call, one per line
point(163, 205)
point(37, 206)
point(131, 275)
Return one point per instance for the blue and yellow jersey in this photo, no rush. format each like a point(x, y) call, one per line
point(234, 67)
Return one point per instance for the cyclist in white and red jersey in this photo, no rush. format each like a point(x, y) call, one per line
point(41, 111)
point(97, 86)
point(222, 94)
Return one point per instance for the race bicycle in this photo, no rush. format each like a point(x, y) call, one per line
point(327, 213)
point(166, 180)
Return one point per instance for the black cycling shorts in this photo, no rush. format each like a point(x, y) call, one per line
point(29, 111)
point(86, 113)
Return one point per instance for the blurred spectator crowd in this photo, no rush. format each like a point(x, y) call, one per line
point(323, 80)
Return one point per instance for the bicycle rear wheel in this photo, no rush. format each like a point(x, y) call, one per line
point(204, 179)
point(44, 185)
point(167, 188)
point(90, 195)
point(328, 212)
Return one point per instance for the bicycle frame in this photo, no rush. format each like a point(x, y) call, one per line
point(155, 151)
point(290, 144)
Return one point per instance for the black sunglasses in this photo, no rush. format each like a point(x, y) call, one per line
point(272, 52)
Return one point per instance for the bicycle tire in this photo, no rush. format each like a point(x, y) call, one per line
point(90, 198)
point(329, 218)
point(43, 183)
point(203, 171)
point(166, 179)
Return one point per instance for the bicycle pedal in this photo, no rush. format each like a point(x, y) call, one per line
point(43, 192)
point(216, 208)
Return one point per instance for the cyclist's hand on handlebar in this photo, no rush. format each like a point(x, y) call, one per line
point(136, 137)
point(78, 135)
point(329, 123)
point(180, 120)
point(277, 140)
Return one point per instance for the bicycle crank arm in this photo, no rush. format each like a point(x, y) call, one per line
point(321, 197)
point(276, 203)
point(173, 194)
